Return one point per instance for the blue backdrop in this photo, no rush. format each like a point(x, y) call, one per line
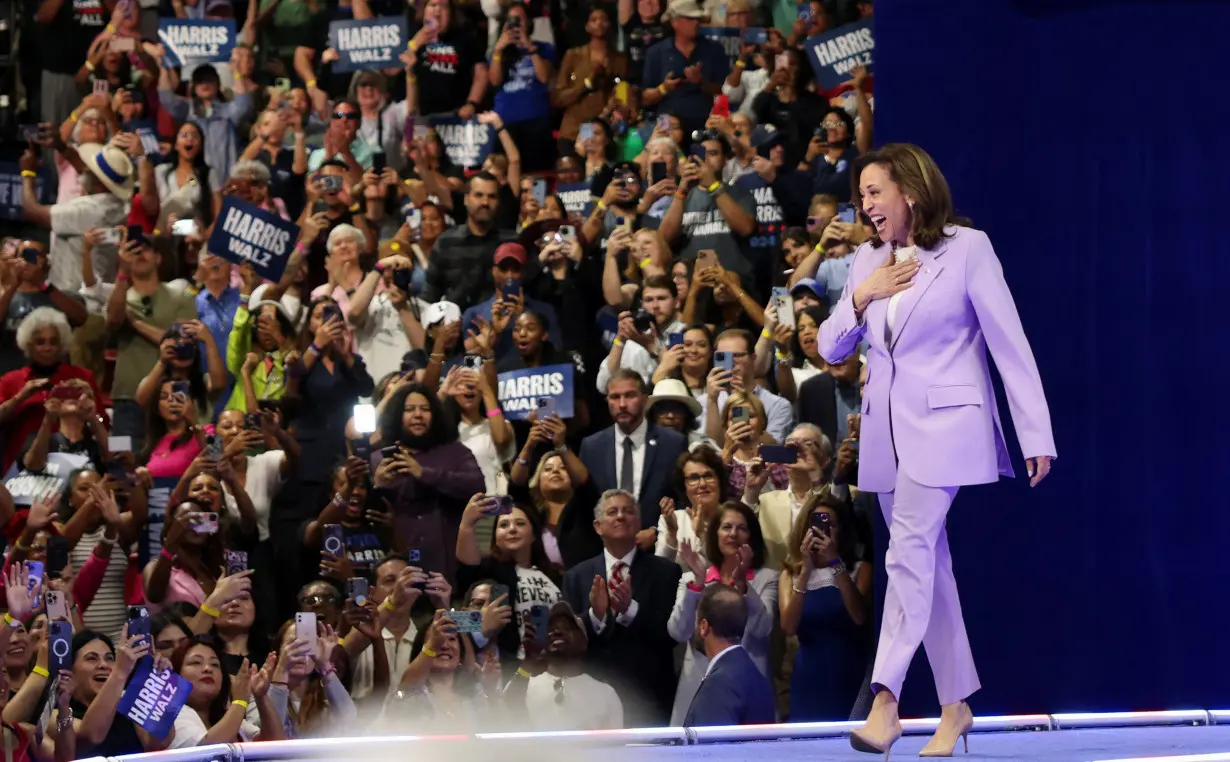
point(1090, 140)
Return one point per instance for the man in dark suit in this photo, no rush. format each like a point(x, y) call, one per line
point(633, 455)
point(733, 691)
point(826, 399)
point(626, 596)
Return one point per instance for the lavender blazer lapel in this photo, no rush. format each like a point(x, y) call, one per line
point(931, 268)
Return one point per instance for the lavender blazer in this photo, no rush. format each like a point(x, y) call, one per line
point(933, 379)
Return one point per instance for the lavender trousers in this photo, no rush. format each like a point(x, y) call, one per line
point(921, 604)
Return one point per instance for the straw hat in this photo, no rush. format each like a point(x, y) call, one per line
point(674, 390)
point(111, 165)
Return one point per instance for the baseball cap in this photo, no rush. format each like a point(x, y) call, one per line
point(510, 251)
point(562, 608)
point(810, 284)
point(441, 312)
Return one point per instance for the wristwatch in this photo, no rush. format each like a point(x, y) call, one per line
point(837, 567)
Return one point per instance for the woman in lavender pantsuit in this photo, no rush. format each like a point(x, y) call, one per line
point(929, 298)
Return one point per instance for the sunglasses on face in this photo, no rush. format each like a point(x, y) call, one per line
point(346, 115)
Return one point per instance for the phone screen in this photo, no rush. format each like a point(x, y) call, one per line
point(847, 214)
point(364, 419)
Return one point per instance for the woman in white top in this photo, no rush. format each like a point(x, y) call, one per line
point(470, 395)
point(185, 182)
point(700, 475)
point(262, 459)
point(214, 712)
point(735, 542)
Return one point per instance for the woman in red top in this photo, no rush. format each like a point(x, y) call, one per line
point(44, 337)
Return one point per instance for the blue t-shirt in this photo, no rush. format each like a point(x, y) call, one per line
point(523, 97)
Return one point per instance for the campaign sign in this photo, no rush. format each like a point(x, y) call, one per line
point(577, 198)
point(520, 390)
point(28, 486)
point(368, 44)
point(192, 42)
point(246, 233)
point(151, 545)
point(467, 143)
point(10, 190)
point(153, 699)
point(726, 36)
point(833, 54)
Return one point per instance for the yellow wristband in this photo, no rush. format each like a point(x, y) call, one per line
point(41, 671)
point(207, 611)
point(766, 334)
point(10, 621)
point(240, 702)
point(28, 173)
point(354, 207)
point(89, 65)
point(716, 184)
point(73, 116)
point(412, 46)
point(495, 59)
point(600, 206)
point(429, 653)
point(646, 262)
point(662, 89)
point(619, 342)
point(388, 604)
point(740, 64)
point(522, 673)
point(341, 641)
point(311, 83)
point(111, 28)
point(819, 249)
point(19, 544)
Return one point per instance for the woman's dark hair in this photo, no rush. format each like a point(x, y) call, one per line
point(164, 619)
point(612, 150)
point(123, 73)
point(222, 701)
point(798, 235)
point(65, 509)
point(307, 335)
point(443, 429)
point(85, 637)
point(705, 456)
point(755, 537)
point(538, 552)
point(818, 313)
point(200, 170)
point(547, 346)
point(511, 54)
point(919, 178)
point(156, 428)
point(846, 119)
point(205, 74)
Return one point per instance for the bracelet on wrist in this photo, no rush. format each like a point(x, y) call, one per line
point(430, 654)
point(521, 672)
point(42, 671)
point(168, 555)
point(240, 702)
point(209, 611)
point(11, 621)
point(765, 333)
point(28, 173)
point(494, 412)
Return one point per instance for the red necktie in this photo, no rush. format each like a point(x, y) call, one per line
point(617, 575)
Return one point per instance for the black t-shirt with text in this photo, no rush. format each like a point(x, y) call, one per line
point(445, 71)
point(639, 37)
point(67, 38)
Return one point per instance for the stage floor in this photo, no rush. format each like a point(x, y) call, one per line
point(1087, 745)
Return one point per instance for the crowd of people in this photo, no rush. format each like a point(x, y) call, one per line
point(309, 497)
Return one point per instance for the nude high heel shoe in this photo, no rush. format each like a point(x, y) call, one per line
point(878, 737)
point(944, 742)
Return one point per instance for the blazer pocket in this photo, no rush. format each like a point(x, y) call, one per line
point(953, 396)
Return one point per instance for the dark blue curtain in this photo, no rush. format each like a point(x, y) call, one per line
point(1091, 140)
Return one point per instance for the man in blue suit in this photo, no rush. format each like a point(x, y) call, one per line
point(733, 691)
point(633, 455)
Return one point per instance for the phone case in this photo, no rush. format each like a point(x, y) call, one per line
point(357, 589)
point(305, 626)
point(467, 621)
point(540, 615)
point(333, 541)
point(59, 646)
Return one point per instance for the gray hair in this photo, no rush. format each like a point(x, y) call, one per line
point(254, 170)
point(37, 320)
point(600, 508)
point(663, 140)
point(342, 231)
point(76, 135)
point(826, 446)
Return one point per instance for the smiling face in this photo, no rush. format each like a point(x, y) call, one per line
point(619, 521)
point(733, 532)
point(92, 665)
point(358, 494)
point(885, 204)
point(206, 490)
point(554, 477)
point(697, 351)
point(514, 533)
point(203, 669)
point(44, 347)
point(449, 655)
point(17, 655)
point(416, 415)
point(563, 636)
point(700, 482)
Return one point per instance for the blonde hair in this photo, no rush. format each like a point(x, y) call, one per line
point(749, 400)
